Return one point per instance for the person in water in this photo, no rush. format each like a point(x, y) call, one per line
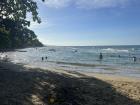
point(42, 58)
point(46, 57)
point(101, 56)
point(119, 56)
point(134, 59)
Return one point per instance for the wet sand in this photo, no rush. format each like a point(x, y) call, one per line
point(21, 85)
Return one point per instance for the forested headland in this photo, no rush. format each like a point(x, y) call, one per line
point(14, 27)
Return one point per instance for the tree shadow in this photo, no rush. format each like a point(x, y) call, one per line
point(38, 87)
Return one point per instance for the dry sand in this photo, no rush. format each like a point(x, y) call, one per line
point(33, 86)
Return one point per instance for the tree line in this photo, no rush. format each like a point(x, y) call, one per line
point(14, 31)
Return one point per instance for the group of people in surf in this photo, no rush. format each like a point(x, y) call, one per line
point(134, 57)
point(100, 57)
point(44, 58)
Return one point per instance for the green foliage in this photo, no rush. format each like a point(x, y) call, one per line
point(13, 24)
point(18, 9)
point(4, 39)
point(14, 35)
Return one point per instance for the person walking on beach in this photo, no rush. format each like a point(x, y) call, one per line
point(101, 56)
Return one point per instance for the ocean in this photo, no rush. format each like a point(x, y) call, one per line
point(117, 60)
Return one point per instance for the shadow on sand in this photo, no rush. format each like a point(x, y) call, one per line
point(37, 87)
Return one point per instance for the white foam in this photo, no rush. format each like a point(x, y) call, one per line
point(111, 50)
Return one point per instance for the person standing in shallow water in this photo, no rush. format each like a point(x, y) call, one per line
point(42, 58)
point(134, 59)
point(101, 56)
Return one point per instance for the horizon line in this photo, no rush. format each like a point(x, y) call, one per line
point(90, 45)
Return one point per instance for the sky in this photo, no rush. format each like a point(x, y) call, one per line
point(88, 22)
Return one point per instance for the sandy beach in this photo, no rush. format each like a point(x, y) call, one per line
point(22, 85)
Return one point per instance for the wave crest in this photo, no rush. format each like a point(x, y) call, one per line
point(112, 50)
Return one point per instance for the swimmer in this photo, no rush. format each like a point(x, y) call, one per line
point(42, 58)
point(100, 56)
point(119, 56)
point(134, 58)
point(46, 57)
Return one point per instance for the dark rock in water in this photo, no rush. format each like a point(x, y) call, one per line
point(75, 51)
point(22, 51)
point(52, 50)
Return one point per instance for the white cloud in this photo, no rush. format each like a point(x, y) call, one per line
point(101, 3)
point(88, 4)
point(57, 3)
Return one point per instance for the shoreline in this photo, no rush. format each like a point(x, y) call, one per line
point(101, 76)
point(40, 84)
point(90, 74)
point(96, 67)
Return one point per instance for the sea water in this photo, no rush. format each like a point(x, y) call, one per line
point(117, 60)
